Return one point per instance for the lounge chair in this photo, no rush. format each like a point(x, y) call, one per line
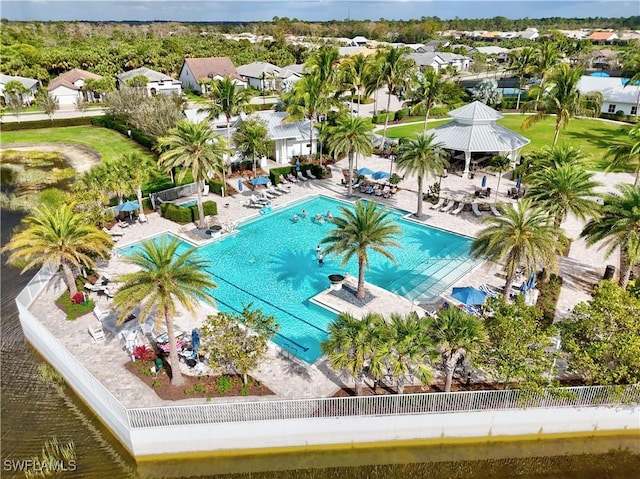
point(112, 233)
point(283, 179)
point(97, 334)
point(100, 314)
point(142, 218)
point(272, 190)
point(311, 175)
point(94, 288)
point(471, 310)
point(252, 204)
point(302, 177)
point(448, 206)
point(438, 204)
point(491, 292)
point(495, 211)
point(458, 209)
point(256, 199)
point(267, 195)
point(291, 178)
point(281, 189)
point(476, 211)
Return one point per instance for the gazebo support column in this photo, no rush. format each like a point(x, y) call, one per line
point(467, 164)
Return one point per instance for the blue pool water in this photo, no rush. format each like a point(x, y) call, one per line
point(272, 263)
point(188, 204)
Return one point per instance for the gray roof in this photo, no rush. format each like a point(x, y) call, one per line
point(256, 69)
point(151, 75)
point(299, 69)
point(279, 129)
point(28, 83)
point(450, 57)
point(612, 88)
point(475, 112)
point(425, 59)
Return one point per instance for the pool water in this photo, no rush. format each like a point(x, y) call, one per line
point(272, 263)
point(188, 204)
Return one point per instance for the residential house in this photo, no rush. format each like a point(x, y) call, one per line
point(502, 54)
point(603, 59)
point(358, 41)
point(438, 60)
point(617, 97)
point(30, 84)
point(68, 88)
point(630, 36)
point(529, 34)
point(213, 68)
point(603, 37)
point(266, 76)
point(156, 82)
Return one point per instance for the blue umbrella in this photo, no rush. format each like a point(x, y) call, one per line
point(195, 340)
point(484, 181)
point(468, 295)
point(519, 182)
point(365, 171)
point(600, 74)
point(297, 165)
point(260, 180)
point(129, 206)
point(532, 280)
point(379, 175)
point(524, 287)
point(240, 185)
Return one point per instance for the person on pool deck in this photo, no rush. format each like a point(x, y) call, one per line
point(320, 259)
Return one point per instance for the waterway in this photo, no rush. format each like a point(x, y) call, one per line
point(33, 412)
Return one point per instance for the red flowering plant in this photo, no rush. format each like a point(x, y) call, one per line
point(78, 298)
point(143, 353)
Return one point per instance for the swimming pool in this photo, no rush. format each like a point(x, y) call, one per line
point(187, 204)
point(271, 262)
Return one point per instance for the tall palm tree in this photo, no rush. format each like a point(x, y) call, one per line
point(139, 170)
point(546, 59)
point(456, 334)
point(366, 227)
point(522, 63)
point(626, 153)
point(427, 91)
point(352, 134)
point(322, 64)
point(165, 278)
point(422, 157)
point(396, 71)
point(193, 146)
point(349, 345)
point(560, 96)
point(522, 236)
point(251, 140)
point(58, 238)
point(558, 155)
point(618, 226)
point(410, 349)
point(562, 190)
point(499, 163)
point(356, 69)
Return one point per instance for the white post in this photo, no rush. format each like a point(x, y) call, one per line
point(467, 163)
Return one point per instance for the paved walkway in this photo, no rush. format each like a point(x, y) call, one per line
point(289, 378)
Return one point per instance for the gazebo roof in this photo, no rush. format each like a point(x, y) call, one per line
point(484, 137)
point(475, 112)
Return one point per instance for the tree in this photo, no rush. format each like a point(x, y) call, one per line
point(138, 81)
point(499, 163)
point(602, 337)
point(521, 236)
point(422, 157)
point(14, 92)
point(193, 146)
point(521, 62)
point(47, 102)
point(166, 277)
point(560, 96)
point(546, 61)
point(155, 115)
point(352, 134)
point(625, 154)
point(237, 342)
point(123, 102)
point(82, 105)
point(562, 190)
point(427, 91)
point(349, 346)
point(322, 64)
point(487, 92)
point(366, 227)
point(58, 238)
point(618, 226)
point(138, 170)
point(515, 350)
point(251, 140)
point(457, 335)
point(356, 69)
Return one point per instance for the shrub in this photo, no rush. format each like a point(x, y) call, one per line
point(146, 204)
point(209, 208)
point(224, 384)
point(548, 298)
point(74, 311)
point(34, 125)
point(216, 187)
point(78, 298)
point(274, 173)
point(143, 353)
point(400, 114)
point(176, 213)
point(379, 118)
point(438, 112)
point(114, 123)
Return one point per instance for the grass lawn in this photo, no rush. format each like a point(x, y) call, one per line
point(590, 135)
point(109, 143)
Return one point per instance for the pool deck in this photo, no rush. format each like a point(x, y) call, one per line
point(290, 378)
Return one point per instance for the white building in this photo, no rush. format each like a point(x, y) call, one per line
point(266, 76)
point(438, 60)
point(156, 82)
point(212, 68)
point(68, 88)
point(617, 97)
point(30, 84)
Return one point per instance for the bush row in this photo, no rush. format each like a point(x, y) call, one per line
point(274, 173)
point(56, 123)
point(117, 124)
point(187, 215)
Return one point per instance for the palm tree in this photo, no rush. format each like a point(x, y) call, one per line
point(356, 69)
point(618, 226)
point(427, 91)
point(521, 62)
point(456, 334)
point(395, 72)
point(499, 163)
point(166, 278)
point(138, 170)
point(562, 190)
point(322, 64)
point(521, 236)
point(625, 153)
point(558, 155)
point(560, 96)
point(547, 58)
point(410, 349)
point(422, 157)
point(251, 140)
point(58, 238)
point(193, 146)
point(352, 134)
point(349, 344)
point(357, 231)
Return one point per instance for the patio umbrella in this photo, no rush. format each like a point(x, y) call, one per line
point(129, 206)
point(484, 181)
point(380, 175)
point(195, 340)
point(260, 180)
point(532, 280)
point(240, 185)
point(524, 287)
point(519, 181)
point(600, 74)
point(468, 295)
point(365, 171)
point(297, 165)
point(152, 198)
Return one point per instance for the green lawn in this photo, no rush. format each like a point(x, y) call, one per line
point(109, 143)
point(592, 136)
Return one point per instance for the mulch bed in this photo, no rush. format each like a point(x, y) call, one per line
point(196, 386)
point(431, 388)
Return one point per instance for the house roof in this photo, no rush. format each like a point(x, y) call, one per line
point(425, 59)
point(256, 69)
point(448, 57)
point(28, 83)
point(151, 75)
point(491, 50)
point(475, 112)
point(211, 67)
point(279, 129)
point(67, 79)
point(612, 88)
point(601, 35)
point(299, 69)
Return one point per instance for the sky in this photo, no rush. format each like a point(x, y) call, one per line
point(310, 10)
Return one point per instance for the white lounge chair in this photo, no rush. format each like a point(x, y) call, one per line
point(448, 206)
point(100, 314)
point(438, 204)
point(292, 178)
point(491, 292)
point(267, 195)
point(142, 218)
point(458, 209)
point(252, 204)
point(282, 189)
point(112, 233)
point(97, 334)
point(476, 211)
point(302, 177)
point(283, 179)
point(311, 175)
point(94, 288)
point(495, 210)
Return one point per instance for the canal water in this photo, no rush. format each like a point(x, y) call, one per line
point(33, 412)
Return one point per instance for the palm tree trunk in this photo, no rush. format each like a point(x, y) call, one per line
point(426, 118)
point(174, 361)
point(386, 120)
point(625, 275)
point(310, 139)
point(420, 200)
point(519, 93)
point(449, 368)
point(360, 100)
point(360, 290)
point(200, 207)
point(358, 382)
point(635, 183)
point(498, 187)
point(557, 132)
point(350, 175)
point(506, 294)
point(139, 195)
point(69, 278)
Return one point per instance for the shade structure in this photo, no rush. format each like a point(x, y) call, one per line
point(380, 175)
point(240, 185)
point(195, 340)
point(484, 181)
point(532, 280)
point(365, 171)
point(129, 206)
point(468, 295)
point(260, 180)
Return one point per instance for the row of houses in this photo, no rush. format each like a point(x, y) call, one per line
point(596, 37)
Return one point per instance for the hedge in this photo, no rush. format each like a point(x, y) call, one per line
point(209, 207)
point(187, 215)
point(215, 187)
point(274, 173)
point(113, 123)
point(56, 123)
point(400, 114)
